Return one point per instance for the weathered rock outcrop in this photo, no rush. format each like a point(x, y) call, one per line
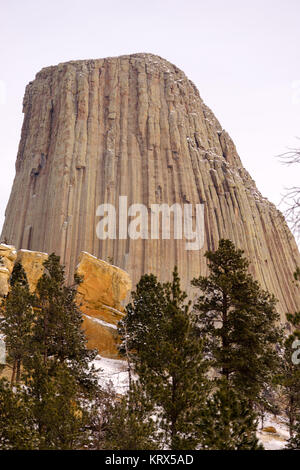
point(100, 295)
point(32, 262)
point(136, 126)
point(8, 256)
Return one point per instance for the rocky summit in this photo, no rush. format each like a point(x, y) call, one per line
point(135, 126)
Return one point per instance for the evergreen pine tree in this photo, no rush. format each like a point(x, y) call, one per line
point(289, 375)
point(100, 416)
point(57, 406)
point(143, 318)
point(58, 383)
point(229, 423)
point(166, 351)
point(240, 322)
point(129, 424)
point(59, 379)
point(57, 331)
point(16, 323)
point(17, 430)
point(289, 380)
point(294, 441)
point(268, 402)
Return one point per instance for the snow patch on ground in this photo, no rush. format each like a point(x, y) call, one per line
point(114, 371)
point(272, 441)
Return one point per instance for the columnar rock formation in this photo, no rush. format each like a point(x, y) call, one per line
point(136, 126)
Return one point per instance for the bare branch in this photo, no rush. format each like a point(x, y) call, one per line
point(292, 197)
point(290, 157)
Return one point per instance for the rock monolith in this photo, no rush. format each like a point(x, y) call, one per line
point(136, 126)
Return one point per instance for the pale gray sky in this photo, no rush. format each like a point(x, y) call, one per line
point(242, 55)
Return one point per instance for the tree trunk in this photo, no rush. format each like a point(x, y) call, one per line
point(225, 344)
point(12, 380)
point(128, 360)
point(174, 417)
point(291, 416)
point(18, 374)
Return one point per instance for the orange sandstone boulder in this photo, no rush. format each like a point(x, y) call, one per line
point(32, 262)
point(8, 256)
point(100, 297)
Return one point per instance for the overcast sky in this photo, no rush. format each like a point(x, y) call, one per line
point(242, 55)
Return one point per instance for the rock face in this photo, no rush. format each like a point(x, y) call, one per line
point(32, 262)
point(100, 295)
point(136, 126)
point(8, 256)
